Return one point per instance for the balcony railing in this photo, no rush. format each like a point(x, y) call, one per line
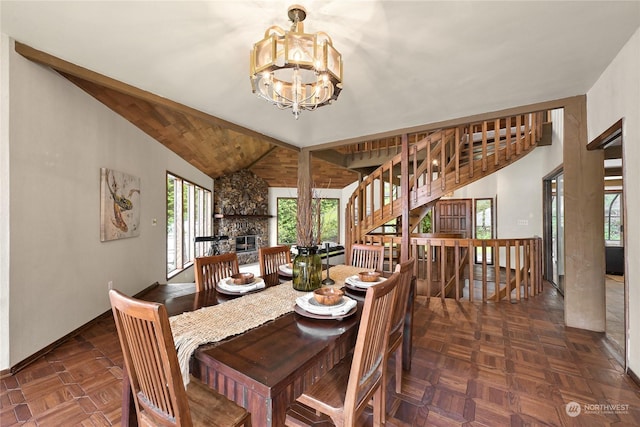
point(471, 269)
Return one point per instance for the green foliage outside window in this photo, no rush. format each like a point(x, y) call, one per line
point(170, 202)
point(484, 219)
point(425, 224)
point(287, 218)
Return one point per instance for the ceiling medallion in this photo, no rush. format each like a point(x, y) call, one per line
point(293, 69)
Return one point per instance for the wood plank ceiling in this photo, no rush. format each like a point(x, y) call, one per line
point(214, 149)
point(210, 144)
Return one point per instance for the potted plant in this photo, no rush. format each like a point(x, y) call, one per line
point(307, 265)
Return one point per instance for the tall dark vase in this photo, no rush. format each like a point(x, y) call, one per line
point(307, 269)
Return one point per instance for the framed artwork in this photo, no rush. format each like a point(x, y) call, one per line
point(119, 205)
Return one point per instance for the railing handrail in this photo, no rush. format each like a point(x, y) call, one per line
point(445, 267)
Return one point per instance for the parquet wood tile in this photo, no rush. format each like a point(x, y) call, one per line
point(473, 364)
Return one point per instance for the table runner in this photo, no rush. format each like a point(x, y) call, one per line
point(212, 324)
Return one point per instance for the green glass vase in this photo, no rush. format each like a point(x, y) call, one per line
point(307, 269)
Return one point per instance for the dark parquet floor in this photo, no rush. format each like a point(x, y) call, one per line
point(474, 364)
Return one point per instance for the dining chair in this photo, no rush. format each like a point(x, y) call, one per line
point(271, 259)
point(159, 394)
point(369, 257)
point(396, 332)
point(344, 392)
point(211, 269)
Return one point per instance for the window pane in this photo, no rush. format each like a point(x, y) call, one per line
point(171, 224)
point(612, 218)
point(484, 219)
point(188, 219)
point(484, 227)
point(188, 216)
point(287, 216)
point(330, 220)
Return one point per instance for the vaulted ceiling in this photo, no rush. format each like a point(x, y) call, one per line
point(181, 67)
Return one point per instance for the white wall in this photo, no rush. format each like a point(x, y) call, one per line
point(616, 95)
point(59, 139)
point(519, 187)
point(4, 202)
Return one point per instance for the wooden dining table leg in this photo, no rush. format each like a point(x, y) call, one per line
point(407, 337)
point(128, 417)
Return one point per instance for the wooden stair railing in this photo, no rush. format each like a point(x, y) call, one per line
point(439, 162)
point(470, 269)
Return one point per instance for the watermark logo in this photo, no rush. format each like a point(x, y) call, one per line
point(573, 409)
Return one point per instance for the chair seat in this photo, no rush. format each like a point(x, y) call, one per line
point(299, 415)
point(209, 408)
point(356, 381)
point(330, 390)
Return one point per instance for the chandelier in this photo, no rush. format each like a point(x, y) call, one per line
point(293, 69)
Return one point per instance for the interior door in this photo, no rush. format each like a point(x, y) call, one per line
point(454, 216)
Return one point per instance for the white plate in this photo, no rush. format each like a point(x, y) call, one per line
point(227, 286)
point(284, 268)
point(355, 281)
point(308, 303)
point(305, 313)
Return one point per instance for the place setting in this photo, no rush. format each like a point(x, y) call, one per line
point(362, 281)
point(240, 284)
point(325, 303)
point(286, 269)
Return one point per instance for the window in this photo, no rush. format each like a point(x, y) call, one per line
point(425, 224)
point(483, 222)
point(612, 217)
point(287, 219)
point(188, 217)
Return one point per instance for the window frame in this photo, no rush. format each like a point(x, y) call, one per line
point(478, 252)
point(278, 233)
point(192, 217)
point(617, 197)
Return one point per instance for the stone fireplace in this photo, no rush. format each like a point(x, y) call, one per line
point(246, 244)
point(241, 206)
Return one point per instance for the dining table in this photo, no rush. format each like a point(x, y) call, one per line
point(266, 367)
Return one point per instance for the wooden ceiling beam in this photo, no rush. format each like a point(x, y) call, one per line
point(66, 67)
point(331, 156)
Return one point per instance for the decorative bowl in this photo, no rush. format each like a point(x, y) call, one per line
point(369, 276)
point(328, 296)
point(242, 278)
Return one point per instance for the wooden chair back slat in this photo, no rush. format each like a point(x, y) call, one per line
point(271, 259)
point(151, 363)
point(151, 360)
point(370, 257)
point(341, 395)
point(398, 317)
point(211, 269)
point(370, 353)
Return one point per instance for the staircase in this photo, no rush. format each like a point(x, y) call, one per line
point(436, 164)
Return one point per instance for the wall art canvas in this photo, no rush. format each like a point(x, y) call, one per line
point(119, 205)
